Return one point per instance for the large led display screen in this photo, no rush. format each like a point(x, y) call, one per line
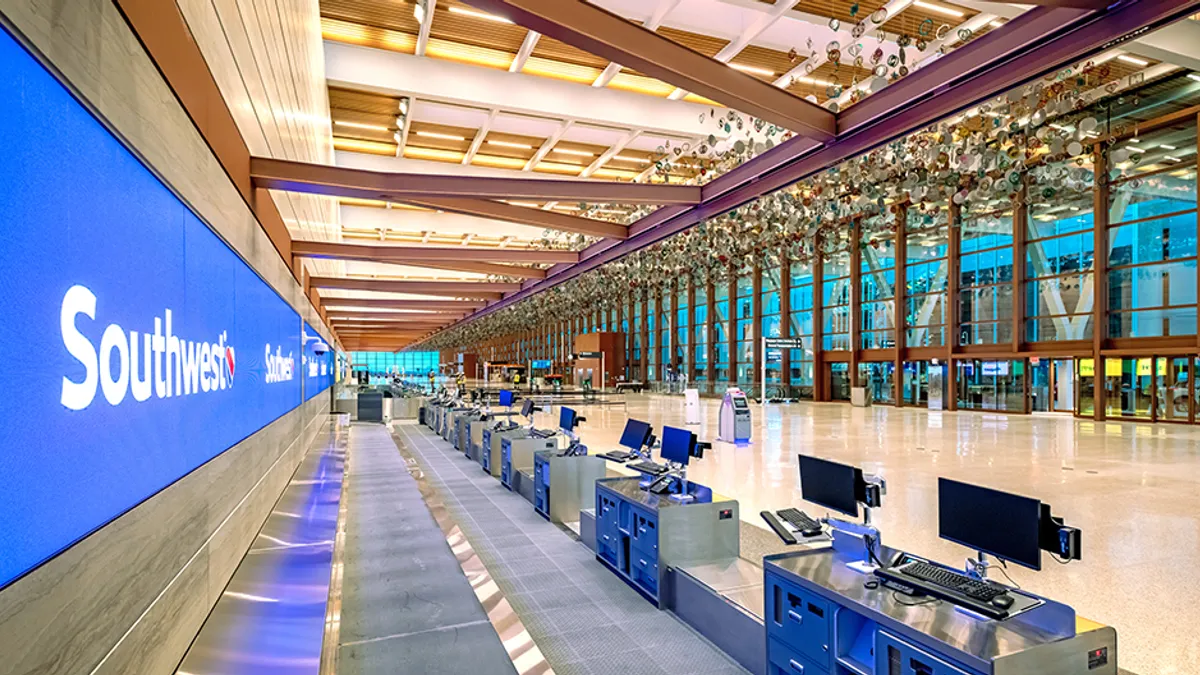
point(139, 345)
point(318, 367)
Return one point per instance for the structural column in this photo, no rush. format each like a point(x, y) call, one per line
point(1099, 276)
point(756, 324)
point(953, 264)
point(899, 297)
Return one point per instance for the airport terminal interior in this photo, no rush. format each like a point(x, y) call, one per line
point(768, 337)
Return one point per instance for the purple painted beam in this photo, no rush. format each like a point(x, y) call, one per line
point(1044, 40)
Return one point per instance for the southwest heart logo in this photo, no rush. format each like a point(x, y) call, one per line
point(230, 365)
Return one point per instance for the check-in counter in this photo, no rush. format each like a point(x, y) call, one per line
point(821, 618)
point(516, 458)
point(491, 452)
point(641, 535)
point(564, 486)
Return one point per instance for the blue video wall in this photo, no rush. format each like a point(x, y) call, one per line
point(140, 345)
point(319, 370)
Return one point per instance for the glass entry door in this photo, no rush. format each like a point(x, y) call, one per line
point(1052, 385)
point(1172, 387)
point(839, 381)
point(916, 383)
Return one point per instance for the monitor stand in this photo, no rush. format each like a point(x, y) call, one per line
point(851, 538)
point(683, 497)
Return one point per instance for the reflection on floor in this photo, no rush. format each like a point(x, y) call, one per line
point(1132, 488)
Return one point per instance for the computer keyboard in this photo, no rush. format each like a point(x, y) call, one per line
point(543, 433)
point(648, 467)
point(940, 576)
point(616, 456)
point(787, 537)
point(800, 520)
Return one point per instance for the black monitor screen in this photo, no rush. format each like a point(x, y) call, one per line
point(677, 444)
point(506, 398)
point(566, 419)
point(1000, 523)
point(527, 408)
point(740, 404)
point(635, 434)
point(830, 484)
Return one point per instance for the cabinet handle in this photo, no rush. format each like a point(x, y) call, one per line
point(642, 561)
point(796, 666)
point(795, 616)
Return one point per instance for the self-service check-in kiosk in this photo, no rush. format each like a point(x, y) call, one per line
point(574, 473)
point(734, 419)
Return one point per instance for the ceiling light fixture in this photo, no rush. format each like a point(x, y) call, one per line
point(507, 144)
point(528, 205)
point(578, 153)
point(1164, 146)
point(939, 9)
point(444, 137)
point(639, 160)
point(752, 70)
point(1132, 60)
point(479, 15)
point(812, 80)
point(996, 24)
point(1169, 158)
point(1195, 77)
point(404, 106)
point(360, 125)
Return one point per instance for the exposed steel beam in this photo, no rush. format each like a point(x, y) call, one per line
point(387, 320)
point(605, 34)
point(410, 254)
point(339, 181)
point(521, 215)
point(364, 253)
point(1077, 4)
point(469, 289)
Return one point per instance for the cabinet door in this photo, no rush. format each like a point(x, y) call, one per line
point(894, 656)
point(800, 619)
point(645, 531)
point(783, 660)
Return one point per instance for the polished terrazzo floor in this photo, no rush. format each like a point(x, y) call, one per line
point(1134, 489)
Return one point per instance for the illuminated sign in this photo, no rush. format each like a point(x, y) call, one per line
point(141, 345)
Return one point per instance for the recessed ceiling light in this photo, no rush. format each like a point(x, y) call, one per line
point(444, 137)
point(506, 144)
point(478, 15)
point(579, 153)
point(639, 160)
point(419, 11)
point(1164, 146)
point(1134, 148)
point(752, 70)
point(1133, 60)
point(360, 125)
point(813, 80)
point(939, 9)
point(1195, 77)
point(996, 24)
point(529, 205)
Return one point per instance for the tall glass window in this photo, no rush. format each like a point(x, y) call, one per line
point(635, 329)
point(652, 336)
point(746, 335)
point(666, 319)
point(381, 367)
point(926, 270)
point(769, 323)
point(985, 273)
point(801, 376)
point(700, 334)
point(681, 326)
point(721, 323)
point(1152, 235)
point(1059, 252)
point(877, 267)
point(835, 293)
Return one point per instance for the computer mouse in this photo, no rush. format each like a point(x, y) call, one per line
point(1002, 601)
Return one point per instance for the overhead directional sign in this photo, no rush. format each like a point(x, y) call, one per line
point(784, 343)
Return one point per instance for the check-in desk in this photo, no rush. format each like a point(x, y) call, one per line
point(460, 436)
point(516, 460)
point(573, 488)
point(821, 620)
point(490, 456)
point(641, 535)
point(450, 422)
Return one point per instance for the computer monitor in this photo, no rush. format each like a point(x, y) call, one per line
point(1005, 525)
point(830, 484)
point(527, 408)
point(506, 398)
point(566, 418)
point(635, 435)
point(677, 444)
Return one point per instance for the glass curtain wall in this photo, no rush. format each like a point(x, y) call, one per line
point(635, 336)
point(746, 335)
point(801, 376)
point(770, 325)
point(985, 274)
point(682, 335)
point(665, 320)
point(991, 385)
point(652, 302)
point(382, 366)
point(926, 273)
point(1059, 252)
point(721, 330)
point(877, 270)
point(1152, 235)
point(700, 333)
point(836, 293)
